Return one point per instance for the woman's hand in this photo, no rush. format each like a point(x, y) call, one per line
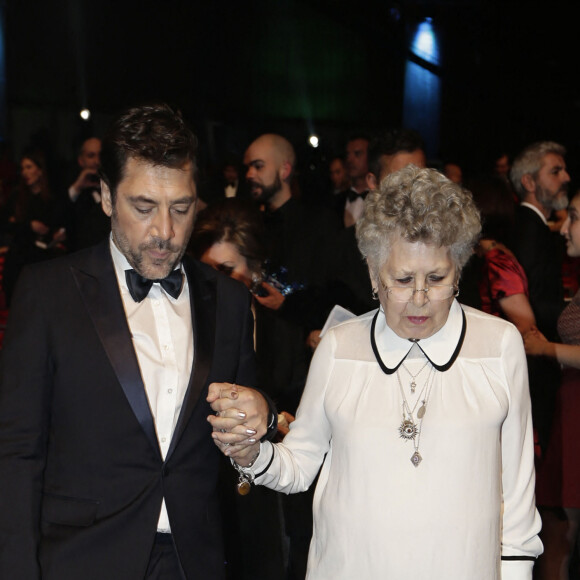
point(313, 339)
point(535, 342)
point(274, 300)
point(241, 418)
point(284, 420)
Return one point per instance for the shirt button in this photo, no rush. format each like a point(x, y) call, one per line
point(170, 391)
point(162, 439)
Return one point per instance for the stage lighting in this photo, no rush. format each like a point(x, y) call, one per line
point(85, 114)
point(313, 140)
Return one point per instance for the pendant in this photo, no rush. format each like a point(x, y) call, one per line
point(413, 386)
point(421, 411)
point(416, 459)
point(243, 486)
point(408, 430)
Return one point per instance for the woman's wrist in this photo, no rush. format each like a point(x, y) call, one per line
point(249, 458)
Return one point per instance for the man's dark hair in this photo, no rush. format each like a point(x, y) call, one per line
point(156, 134)
point(391, 143)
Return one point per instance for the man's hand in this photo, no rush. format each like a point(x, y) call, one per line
point(87, 178)
point(39, 228)
point(241, 418)
point(274, 300)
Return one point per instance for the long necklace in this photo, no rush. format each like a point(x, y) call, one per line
point(413, 383)
point(410, 430)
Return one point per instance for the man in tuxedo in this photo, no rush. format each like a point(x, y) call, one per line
point(541, 181)
point(107, 465)
point(89, 224)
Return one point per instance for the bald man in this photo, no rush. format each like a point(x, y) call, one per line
point(270, 160)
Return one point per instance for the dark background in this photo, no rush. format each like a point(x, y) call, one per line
point(291, 66)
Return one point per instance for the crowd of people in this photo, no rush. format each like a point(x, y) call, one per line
point(424, 407)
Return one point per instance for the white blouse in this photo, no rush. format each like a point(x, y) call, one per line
point(467, 511)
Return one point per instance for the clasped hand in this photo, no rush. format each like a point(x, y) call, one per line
point(240, 420)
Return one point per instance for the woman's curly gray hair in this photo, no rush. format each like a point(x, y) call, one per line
point(420, 205)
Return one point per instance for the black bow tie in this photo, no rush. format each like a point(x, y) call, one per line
point(352, 195)
point(139, 287)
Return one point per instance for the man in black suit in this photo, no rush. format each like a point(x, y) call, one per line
point(541, 181)
point(107, 465)
point(89, 224)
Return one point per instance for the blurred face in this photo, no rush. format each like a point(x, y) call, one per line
point(263, 173)
point(502, 166)
point(391, 163)
point(224, 256)
point(90, 157)
point(337, 173)
point(552, 183)
point(31, 173)
point(416, 265)
point(453, 172)
point(571, 228)
point(230, 173)
point(152, 217)
point(357, 165)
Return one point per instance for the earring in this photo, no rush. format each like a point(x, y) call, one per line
point(374, 294)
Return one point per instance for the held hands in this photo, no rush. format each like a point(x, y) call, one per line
point(273, 300)
point(535, 342)
point(240, 421)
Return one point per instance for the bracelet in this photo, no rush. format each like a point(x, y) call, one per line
point(267, 466)
point(246, 478)
point(238, 466)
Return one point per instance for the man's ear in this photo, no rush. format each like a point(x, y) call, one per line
point(285, 171)
point(371, 181)
point(106, 200)
point(529, 183)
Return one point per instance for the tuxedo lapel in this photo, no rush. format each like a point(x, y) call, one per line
point(202, 294)
point(98, 286)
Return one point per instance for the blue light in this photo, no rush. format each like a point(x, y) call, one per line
point(422, 92)
point(425, 44)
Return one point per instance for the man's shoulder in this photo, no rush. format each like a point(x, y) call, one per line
point(526, 216)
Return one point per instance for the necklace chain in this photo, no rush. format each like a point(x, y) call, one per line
point(413, 384)
point(410, 430)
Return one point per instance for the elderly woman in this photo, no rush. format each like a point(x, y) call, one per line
point(418, 412)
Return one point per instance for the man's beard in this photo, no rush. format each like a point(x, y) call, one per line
point(136, 257)
point(267, 192)
point(550, 201)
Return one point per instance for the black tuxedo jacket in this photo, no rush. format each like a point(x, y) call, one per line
point(540, 252)
point(81, 474)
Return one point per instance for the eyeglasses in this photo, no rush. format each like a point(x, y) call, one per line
point(434, 293)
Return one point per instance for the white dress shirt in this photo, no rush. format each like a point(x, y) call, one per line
point(353, 210)
point(163, 340)
point(467, 511)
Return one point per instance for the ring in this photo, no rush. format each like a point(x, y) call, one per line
point(222, 430)
point(227, 444)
